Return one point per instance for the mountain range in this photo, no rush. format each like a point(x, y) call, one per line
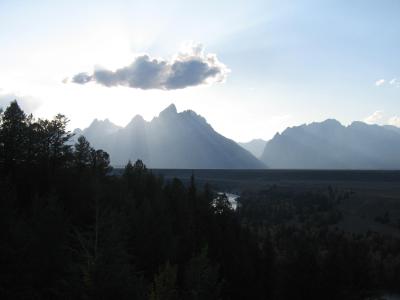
point(171, 140)
point(330, 145)
point(185, 140)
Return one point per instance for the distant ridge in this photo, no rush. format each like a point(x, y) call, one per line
point(330, 145)
point(171, 140)
point(255, 147)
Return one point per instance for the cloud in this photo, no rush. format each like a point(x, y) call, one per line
point(190, 67)
point(395, 121)
point(82, 78)
point(395, 82)
point(375, 117)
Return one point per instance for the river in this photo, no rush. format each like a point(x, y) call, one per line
point(232, 198)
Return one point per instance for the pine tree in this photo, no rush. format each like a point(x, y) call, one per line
point(83, 154)
point(12, 136)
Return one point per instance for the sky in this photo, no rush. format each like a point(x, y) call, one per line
point(251, 68)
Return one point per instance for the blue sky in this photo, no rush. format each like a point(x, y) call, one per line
point(290, 62)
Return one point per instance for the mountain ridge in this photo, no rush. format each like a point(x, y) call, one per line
point(331, 145)
point(171, 140)
point(254, 146)
point(186, 140)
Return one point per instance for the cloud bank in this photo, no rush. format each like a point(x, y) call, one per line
point(190, 67)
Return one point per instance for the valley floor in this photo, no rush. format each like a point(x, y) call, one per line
point(372, 193)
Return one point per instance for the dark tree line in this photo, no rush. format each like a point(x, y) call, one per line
point(312, 257)
point(69, 229)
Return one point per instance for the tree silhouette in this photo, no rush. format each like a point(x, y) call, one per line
point(83, 154)
point(13, 136)
point(71, 229)
point(100, 162)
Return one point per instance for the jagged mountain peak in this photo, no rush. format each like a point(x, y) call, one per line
point(102, 125)
point(173, 140)
point(192, 114)
point(169, 111)
point(135, 120)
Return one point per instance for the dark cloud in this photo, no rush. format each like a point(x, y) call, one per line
point(189, 68)
point(82, 78)
point(189, 73)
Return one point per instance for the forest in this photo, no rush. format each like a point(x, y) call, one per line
point(72, 229)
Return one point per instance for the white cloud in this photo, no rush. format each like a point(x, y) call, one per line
point(395, 82)
point(395, 121)
point(190, 67)
point(375, 117)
